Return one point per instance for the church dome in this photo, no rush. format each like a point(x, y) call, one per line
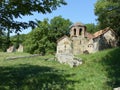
point(77, 24)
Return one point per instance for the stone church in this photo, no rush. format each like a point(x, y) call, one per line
point(80, 41)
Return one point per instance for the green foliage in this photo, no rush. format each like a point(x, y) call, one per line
point(18, 39)
point(43, 38)
point(2, 40)
point(12, 9)
point(37, 39)
point(92, 28)
point(60, 26)
point(106, 63)
point(111, 63)
point(108, 12)
point(99, 71)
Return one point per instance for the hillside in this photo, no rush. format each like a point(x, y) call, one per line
point(100, 71)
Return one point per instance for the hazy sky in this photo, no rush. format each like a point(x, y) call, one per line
point(75, 10)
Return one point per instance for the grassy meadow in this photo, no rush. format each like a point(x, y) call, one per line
point(99, 71)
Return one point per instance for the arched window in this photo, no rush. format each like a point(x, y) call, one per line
point(74, 31)
point(90, 45)
point(80, 30)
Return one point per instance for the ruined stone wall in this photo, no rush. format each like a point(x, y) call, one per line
point(96, 44)
point(111, 39)
point(102, 42)
point(13, 49)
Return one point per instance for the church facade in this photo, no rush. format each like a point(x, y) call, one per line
point(80, 41)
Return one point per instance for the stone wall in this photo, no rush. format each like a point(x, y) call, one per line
point(20, 48)
point(13, 49)
point(64, 46)
point(80, 41)
point(77, 29)
point(111, 38)
point(79, 44)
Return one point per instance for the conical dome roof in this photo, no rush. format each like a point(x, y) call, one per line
point(77, 24)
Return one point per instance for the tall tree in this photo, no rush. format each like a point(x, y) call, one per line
point(108, 12)
point(11, 9)
point(38, 38)
point(17, 39)
point(43, 38)
point(2, 40)
point(59, 27)
point(92, 28)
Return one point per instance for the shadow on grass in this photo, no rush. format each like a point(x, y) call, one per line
point(112, 65)
point(29, 77)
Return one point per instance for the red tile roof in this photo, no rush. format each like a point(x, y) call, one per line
point(88, 35)
point(98, 33)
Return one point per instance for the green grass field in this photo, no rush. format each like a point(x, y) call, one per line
point(100, 71)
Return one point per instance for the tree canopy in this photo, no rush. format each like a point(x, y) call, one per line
point(11, 9)
point(91, 27)
point(108, 12)
point(59, 27)
point(43, 38)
